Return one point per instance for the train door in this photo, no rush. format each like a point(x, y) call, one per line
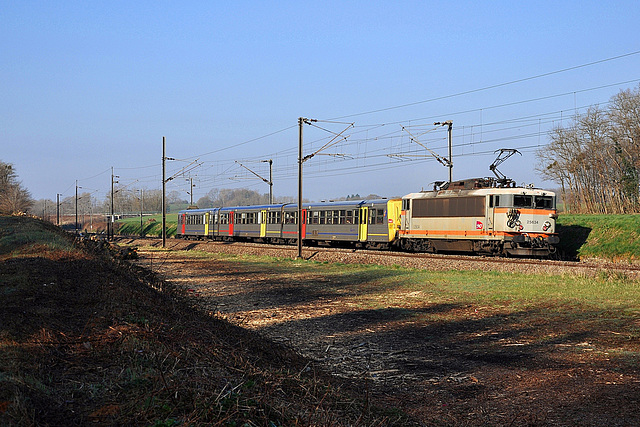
point(206, 224)
point(216, 222)
point(491, 205)
point(405, 214)
point(231, 220)
point(184, 223)
point(363, 229)
point(394, 215)
point(304, 223)
point(263, 223)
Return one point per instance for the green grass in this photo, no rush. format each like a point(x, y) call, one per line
point(151, 225)
point(608, 290)
point(613, 237)
point(23, 235)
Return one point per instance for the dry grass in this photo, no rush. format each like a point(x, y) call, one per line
point(448, 348)
point(86, 339)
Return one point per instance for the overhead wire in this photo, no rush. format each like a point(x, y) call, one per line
point(495, 86)
point(289, 155)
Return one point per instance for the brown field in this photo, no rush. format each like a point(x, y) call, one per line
point(182, 338)
point(441, 363)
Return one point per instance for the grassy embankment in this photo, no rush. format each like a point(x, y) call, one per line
point(610, 237)
point(151, 225)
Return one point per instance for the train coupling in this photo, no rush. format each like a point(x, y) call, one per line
point(540, 241)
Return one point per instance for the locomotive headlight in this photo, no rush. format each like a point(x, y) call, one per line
point(553, 215)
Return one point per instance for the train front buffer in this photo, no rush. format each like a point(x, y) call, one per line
point(530, 232)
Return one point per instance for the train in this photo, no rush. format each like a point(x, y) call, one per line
point(479, 215)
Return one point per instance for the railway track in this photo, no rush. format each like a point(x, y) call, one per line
point(411, 260)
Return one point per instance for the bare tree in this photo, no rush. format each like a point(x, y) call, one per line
point(238, 197)
point(14, 198)
point(596, 159)
point(624, 114)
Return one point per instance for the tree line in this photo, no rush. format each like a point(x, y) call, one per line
point(596, 158)
point(134, 201)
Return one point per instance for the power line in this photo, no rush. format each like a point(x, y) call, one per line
point(244, 143)
point(373, 151)
point(489, 87)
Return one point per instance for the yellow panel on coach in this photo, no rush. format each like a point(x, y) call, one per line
point(394, 211)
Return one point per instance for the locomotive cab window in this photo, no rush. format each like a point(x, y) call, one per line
point(522, 201)
point(544, 202)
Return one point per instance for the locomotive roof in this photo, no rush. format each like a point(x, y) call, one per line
point(479, 192)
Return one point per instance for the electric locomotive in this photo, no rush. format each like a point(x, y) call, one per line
point(481, 215)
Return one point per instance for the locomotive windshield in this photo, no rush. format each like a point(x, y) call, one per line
point(529, 201)
point(544, 202)
point(522, 201)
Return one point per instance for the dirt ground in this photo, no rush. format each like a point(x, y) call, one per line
point(444, 364)
point(88, 339)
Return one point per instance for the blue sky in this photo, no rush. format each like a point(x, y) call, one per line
point(87, 86)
